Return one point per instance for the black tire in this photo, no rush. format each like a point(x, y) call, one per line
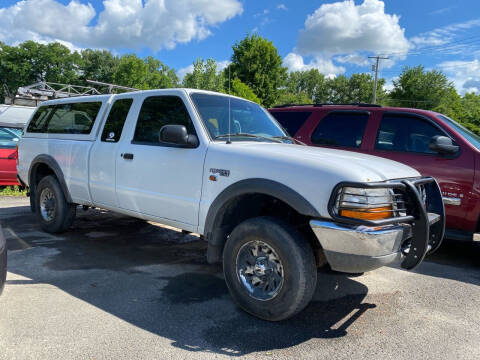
point(296, 258)
point(63, 215)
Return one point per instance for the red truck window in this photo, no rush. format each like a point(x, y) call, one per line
point(341, 129)
point(291, 121)
point(406, 133)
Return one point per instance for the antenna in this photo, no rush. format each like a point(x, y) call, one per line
point(229, 100)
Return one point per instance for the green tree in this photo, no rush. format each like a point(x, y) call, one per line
point(31, 62)
point(205, 76)
point(160, 75)
point(98, 65)
point(256, 62)
point(418, 88)
point(354, 89)
point(309, 84)
point(289, 97)
point(148, 73)
point(238, 88)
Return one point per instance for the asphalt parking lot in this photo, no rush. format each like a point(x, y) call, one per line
point(115, 287)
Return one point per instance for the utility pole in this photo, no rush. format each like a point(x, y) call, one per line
point(375, 68)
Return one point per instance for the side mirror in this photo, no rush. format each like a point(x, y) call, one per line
point(177, 135)
point(443, 145)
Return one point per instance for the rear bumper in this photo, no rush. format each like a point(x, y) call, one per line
point(3, 260)
point(357, 249)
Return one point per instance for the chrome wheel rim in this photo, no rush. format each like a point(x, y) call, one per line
point(259, 270)
point(47, 204)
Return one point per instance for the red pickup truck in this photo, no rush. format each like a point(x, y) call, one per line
point(430, 142)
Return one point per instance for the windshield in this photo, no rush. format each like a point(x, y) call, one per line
point(472, 138)
point(248, 121)
point(9, 137)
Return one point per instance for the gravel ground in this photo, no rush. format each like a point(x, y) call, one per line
point(115, 287)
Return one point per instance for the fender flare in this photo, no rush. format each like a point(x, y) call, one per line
point(252, 186)
point(52, 164)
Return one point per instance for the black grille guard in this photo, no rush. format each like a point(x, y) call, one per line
point(427, 219)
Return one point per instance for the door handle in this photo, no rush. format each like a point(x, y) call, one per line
point(127, 156)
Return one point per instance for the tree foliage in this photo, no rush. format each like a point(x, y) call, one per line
point(256, 62)
point(148, 73)
point(205, 75)
point(256, 73)
point(418, 88)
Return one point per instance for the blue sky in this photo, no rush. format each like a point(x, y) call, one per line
point(335, 37)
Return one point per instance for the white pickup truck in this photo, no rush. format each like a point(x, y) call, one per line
point(271, 209)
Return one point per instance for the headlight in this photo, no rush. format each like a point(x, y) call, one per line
point(365, 204)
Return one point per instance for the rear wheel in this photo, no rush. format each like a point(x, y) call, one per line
point(269, 268)
point(53, 211)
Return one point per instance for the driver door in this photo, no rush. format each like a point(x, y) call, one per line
point(156, 179)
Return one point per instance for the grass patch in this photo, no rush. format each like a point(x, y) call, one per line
point(12, 191)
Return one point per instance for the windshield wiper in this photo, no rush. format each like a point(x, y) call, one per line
point(286, 137)
point(247, 135)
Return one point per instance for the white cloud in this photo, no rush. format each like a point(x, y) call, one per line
point(464, 74)
point(184, 71)
point(295, 62)
point(131, 24)
point(282, 7)
point(442, 10)
point(353, 58)
point(222, 65)
point(445, 35)
point(389, 84)
point(343, 28)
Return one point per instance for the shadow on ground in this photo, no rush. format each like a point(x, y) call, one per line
point(157, 279)
point(461, 255)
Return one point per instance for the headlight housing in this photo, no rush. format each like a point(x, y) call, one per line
point(366, 203)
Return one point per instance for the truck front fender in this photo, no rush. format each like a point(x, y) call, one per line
point(215, 234)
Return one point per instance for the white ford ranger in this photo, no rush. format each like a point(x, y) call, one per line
point(220, 166)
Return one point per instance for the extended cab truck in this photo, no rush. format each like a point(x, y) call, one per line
point(221, 166)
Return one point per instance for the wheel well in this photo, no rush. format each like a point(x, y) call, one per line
point(252, 205)
point(39, 172)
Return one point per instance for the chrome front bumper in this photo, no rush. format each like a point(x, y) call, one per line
point(359, 248)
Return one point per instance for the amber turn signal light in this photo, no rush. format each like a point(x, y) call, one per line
point(368, 214)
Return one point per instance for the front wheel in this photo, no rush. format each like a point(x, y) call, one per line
point(269, 268)
point(53, 211)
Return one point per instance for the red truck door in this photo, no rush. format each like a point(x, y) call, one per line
point(405, 137)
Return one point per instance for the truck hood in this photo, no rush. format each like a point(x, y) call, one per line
point(352, 166)
point(311, 172)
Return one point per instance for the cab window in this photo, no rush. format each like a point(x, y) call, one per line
point(156, 112)
point(73, 118)
point(406, 133)
point(341, 129)
point(39, 120)
point(116, 119)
